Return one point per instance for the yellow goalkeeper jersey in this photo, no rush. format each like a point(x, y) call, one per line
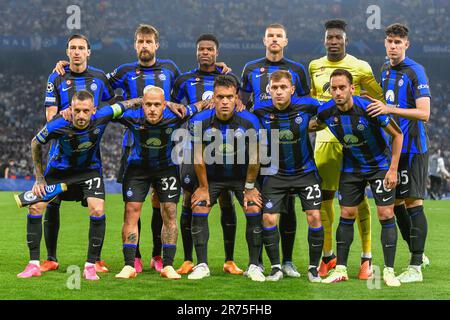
point(363, 78)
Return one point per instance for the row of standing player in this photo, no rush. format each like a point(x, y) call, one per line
point(275, 42)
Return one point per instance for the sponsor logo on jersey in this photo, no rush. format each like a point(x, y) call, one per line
point(207, 95)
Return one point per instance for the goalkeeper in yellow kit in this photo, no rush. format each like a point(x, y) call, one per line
point(328, 150)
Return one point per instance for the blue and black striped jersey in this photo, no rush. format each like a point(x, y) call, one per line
point(295, 154)
point(77, 149)
point(196, 85)
point(152, 145)
point(60, 89)
point(365, 145)
point(231, 153)
point(132, 78)
point(402, 85)
point(256, 75)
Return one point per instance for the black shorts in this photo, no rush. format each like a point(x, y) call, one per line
point(137, 182)
point(412, 176)
point(352, 187)
point(189, 181)
point(80, 184)
point(217, 187)
point(277, 188)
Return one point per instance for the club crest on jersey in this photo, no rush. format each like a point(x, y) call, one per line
point(50, 87)
point(29, 196)
point(269, 204)
point(207, 95)
point(138, 72)
point(262, 70)
point(298, 120)
point(360, 127)
point(162, 77)
point(97, 131)
point(400, 82)
point(94, 86)
point(129, 193)
point(169, 130)
point(187, 179)
point(271, 116)
point(336, 120)
point(68, 82)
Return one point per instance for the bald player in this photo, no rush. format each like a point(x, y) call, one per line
point(150, 162)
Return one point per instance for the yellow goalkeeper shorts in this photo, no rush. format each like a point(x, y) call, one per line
point(328, 157)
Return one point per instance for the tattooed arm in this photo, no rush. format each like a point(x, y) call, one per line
point(36, 152)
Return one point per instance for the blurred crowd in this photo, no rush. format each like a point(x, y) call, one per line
point(243, 20)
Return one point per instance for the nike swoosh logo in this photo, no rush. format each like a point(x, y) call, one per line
point(333, 125)
point(97, 193)
point(96, 245)
point(389, 245)
point(194, 83)
point(192, 232)
point(134, 78)
point(316, 203)
point(316, 245)
point(386, 199)
point(65, 89)
point(260, 75)
point(318, 75)
point(402, 192)
point(171, 196)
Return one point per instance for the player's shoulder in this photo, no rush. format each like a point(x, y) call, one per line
point(326, 106)
point(203, 115)
point(57, 122)
point(169, 114)
point(167, 63)
point(361, 102)
point(124, 68)
point(306, 100)
point(294, 64)
point(254, 64)
point(413, 65)
point(247, 116)
point(318, 63)
point(53, 77)
point(188, 75)
point(96, 72)
point(357, 64)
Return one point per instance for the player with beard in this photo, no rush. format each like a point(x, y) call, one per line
point(255, 86)
point(78, 75)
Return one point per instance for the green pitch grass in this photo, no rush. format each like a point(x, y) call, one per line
point(149, 285)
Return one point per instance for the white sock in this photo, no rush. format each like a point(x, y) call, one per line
point(276, 266)
point(367, 255)
point(327, 254)
point(418, 268)
point(35, 262)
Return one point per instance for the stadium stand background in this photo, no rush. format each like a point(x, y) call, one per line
point(34, 32)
